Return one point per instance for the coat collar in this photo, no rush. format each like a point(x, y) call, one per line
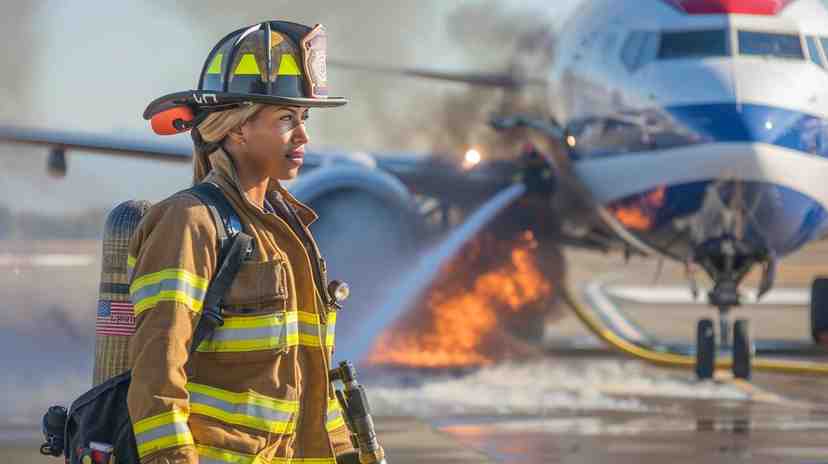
point(224, 166)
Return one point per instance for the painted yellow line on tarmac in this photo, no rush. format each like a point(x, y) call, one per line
point(667, 359)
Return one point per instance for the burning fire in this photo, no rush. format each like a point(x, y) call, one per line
point(462, 320)
point(639, 213)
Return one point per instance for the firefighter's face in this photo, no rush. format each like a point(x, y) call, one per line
point(275, 139)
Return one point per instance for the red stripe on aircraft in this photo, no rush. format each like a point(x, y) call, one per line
point(751, 7)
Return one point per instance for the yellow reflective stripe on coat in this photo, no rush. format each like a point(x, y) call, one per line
point(311, 330)
point(130, 266)
point(249, 409)
point(163, 431)
point(330, 460)
point(211, 455)
point(308, 329)
point(330, 335)
point(238, 334)
point(177, 285)
point(334, 419)
point(270, 331)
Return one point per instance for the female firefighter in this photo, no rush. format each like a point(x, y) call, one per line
point(258, 389)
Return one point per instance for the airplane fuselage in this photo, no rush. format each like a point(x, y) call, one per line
point(693, 122)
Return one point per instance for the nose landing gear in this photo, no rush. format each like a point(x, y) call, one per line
point(727, 261)
point(742, 349)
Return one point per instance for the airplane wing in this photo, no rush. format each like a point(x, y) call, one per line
point(175, 151)
point(428, 175)
point(482, 79)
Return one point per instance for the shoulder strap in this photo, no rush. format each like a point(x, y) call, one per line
point(228, 224)
point(234, 247)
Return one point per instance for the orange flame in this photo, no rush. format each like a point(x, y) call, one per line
point(462, 320)
point(640, 212)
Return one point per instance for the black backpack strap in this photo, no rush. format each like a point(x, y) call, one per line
point(227, 221)
point(240, 247)
point(234, 247)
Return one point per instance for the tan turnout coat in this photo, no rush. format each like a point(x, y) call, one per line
point(258, 391)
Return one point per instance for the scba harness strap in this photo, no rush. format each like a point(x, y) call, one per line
point(99, 419)
point(234, 247)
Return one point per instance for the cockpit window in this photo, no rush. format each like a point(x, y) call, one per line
point(639, 49)
point(693, 44)
point(771, 44)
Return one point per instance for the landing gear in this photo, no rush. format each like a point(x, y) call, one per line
point(705, 349)
point(727, 261)
point(742, 350)
point(725, 295)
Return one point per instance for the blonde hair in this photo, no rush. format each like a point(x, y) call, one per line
point(213, 130)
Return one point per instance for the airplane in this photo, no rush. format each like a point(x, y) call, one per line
point(692, 130)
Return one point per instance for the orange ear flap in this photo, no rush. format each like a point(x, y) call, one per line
point(173, 121)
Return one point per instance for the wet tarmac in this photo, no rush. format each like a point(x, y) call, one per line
point(576, 403)
point(581, 411)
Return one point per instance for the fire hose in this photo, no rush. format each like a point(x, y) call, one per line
point(613, 339)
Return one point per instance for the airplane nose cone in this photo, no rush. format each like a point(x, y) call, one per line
point(791, 84)
point(752, 123)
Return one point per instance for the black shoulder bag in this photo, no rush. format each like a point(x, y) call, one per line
point(100, 415)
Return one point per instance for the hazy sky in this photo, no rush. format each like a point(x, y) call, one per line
point(92, 66)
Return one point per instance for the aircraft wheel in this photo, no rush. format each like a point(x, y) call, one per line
point(705, 349)
point(819, 308)
point(742, 350)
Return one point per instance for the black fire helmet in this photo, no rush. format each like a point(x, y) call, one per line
point(273, 62)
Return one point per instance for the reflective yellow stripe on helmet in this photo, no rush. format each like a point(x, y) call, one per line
point(177, 285)
point(288, 66)
point(215, 66)
point(163, 431)
point(247, 66)
point(248, 409)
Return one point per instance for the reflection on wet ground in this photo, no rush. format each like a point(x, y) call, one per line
point(564, 409)
point(568, 406)
point(697, 430)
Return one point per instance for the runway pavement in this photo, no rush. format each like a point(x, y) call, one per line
point(573, 405)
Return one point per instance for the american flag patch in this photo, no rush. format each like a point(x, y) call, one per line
point(115, 318)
